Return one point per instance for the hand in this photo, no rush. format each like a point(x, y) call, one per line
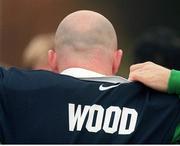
point(150, 74)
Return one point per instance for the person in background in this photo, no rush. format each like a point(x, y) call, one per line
point(159, 45)
point(82, 101)
point(35, 55)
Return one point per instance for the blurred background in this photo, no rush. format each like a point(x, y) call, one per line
point(22, 20)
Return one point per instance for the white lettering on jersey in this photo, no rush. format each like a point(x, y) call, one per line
point(133, 114)
point(95, 121)
point(77, 117)
point(99, 118)
point(117, 113)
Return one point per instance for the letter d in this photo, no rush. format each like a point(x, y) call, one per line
point(132, 124)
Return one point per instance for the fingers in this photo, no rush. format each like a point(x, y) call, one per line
point(138, 71)
point(139, 66)
point(135, 75)
point(136, 66)
point(133, 70)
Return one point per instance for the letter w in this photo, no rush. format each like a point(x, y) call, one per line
point(77, 117)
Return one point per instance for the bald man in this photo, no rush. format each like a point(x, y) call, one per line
point(83, 101)
point(88, 40)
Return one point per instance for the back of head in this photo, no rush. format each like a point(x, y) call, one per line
point(35, 55)
point(159, 45)
point(85, 35)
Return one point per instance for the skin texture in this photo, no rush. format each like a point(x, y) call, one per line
point(85, 39)
point(150, 74)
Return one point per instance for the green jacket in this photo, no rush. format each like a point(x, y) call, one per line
point(174, 88)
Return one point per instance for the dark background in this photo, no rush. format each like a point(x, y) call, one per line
point(20, 20)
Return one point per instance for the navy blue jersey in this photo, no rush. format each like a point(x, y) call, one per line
point(44, 107)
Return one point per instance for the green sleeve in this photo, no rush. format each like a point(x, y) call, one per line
point(176, 137)
point(174, 87)
point(174, 82)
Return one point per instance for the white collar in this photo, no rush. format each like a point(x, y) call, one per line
point(85, 74)
point(81, 73)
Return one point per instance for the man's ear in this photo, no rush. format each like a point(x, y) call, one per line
point(117, 60)
point(52, 61)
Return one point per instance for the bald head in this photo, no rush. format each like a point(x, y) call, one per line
point(84, 37)
point(86, 29)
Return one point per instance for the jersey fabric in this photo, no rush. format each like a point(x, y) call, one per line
point(44, 107)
